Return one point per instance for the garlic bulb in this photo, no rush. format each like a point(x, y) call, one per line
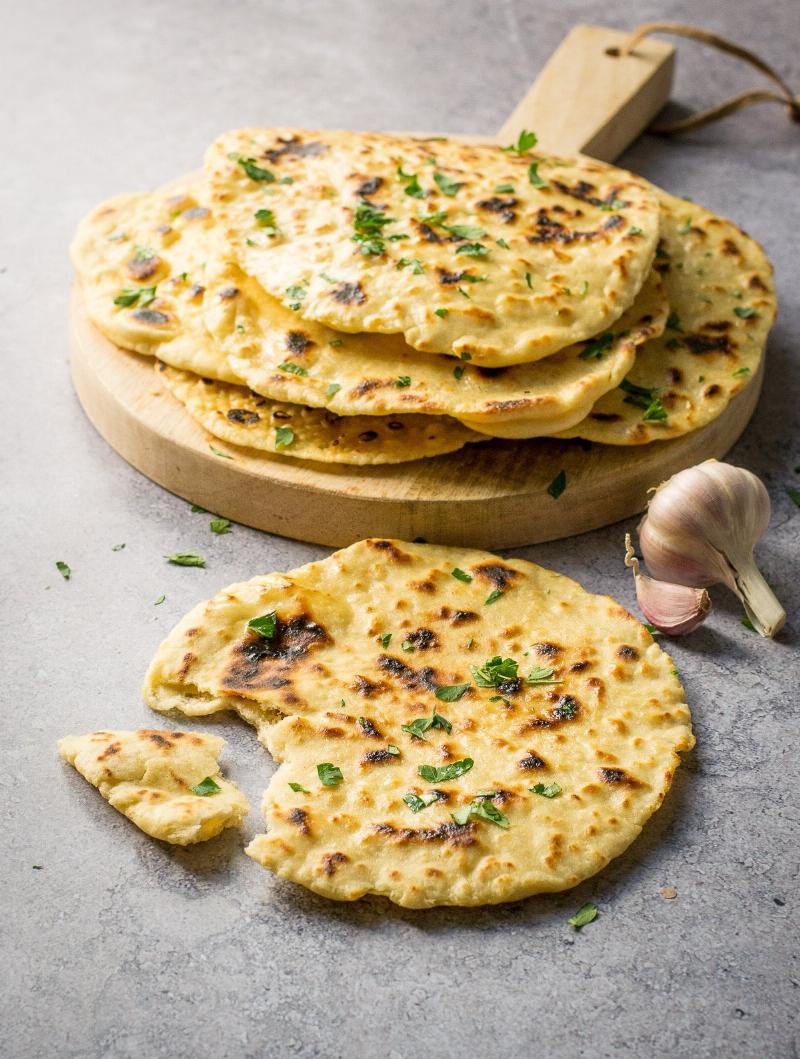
point(700, 529)
point(673, 609)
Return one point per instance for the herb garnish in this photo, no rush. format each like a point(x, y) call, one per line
point(254, 171)
point(63, 569)
point(596, 347)
point(220, 525)
point(744, 312)
point(411, 182)
point(333, 389)
point(458, 574)
point(458, 372)
point(525, 141)
point(748, 624)
point(141, 296)
point(392, 749)
point(472, 250)
point(674, 322)
point(296, 292)
point(417, 802)
point(292, 369)
point(451, 692)
point(402, 381)
point(794, 494)
point(441, 312)
point(266, 219)
point(418, 727)
point(528, 280)
point(298, 788)
point(197, 510)
point(534, 178)
point(633, 230)
point(655, 412)
point(117, 547)
point(740, 372)
point(465, 231)
point(686, 227)
point(265, 626)
point(186, 559)
point(329, 775)
point(416, 265)
point(495, 671)
point(219, 452)
point(206, 787)
point(284, 437)
point(504, 189)
point(503, 243)
point(493, 597)
point(481, 807)
point(558, 485)
point(446, 185)
point(585, 914)
point(159, 601)
point(368, 225)
point(638, 395)
point(552, 790)
point(445, 773)
point(542, 675)
point(386, 639)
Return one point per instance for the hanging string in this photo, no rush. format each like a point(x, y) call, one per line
point(785, 97)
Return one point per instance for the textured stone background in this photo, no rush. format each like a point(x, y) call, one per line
point(123, 948)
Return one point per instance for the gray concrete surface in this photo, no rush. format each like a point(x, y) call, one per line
point(120, 947)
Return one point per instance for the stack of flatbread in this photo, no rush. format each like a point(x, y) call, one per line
point(364, 298)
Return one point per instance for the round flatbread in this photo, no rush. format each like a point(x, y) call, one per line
point(466, 249)
point(455, 728)
point(141, 262)
point(168, 783)
point(241, 417)
point(305, 362)
point(722, 306)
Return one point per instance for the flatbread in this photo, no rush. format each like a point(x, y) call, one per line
point(308, 363)
point(241, 417)
point(722, 298)
point(608, 734)
point(577, 250)
point(165, 240)
point(148, 776)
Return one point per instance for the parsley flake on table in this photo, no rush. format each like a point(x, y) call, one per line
point(445, 773)
point(207, 787)
point(794, 495)
point(586, 914)
point(558, 485)
point(329, 775)
point(185, 559)
point(63, 569)
point(159, 601)
point(220, 525)
point(265, 626)
point(117, 547)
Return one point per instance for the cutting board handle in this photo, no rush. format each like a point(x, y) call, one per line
point(591, 98)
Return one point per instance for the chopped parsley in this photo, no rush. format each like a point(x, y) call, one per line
point(534, 178)
point(63, 569)
point(655, 412)
point(117, 547)
point(472, 250)
point(207, 787)
point(159, 601)
point(392, 749)
point(503, 243)
point(465, 231)
point(368, 225)
point(441, 312)
point(638, 395)
point(197, 510)
point(597, 347)
point(525, 141)
point(220, 525)
point(504, 189)
point(284, 437)
point(451, 692)
point(586, 914)
point(674, 322)
point(219, 452)
point(686, 227)
point(493, 597)
point(336, 342)
point(458, 372)
point(385, 639)
point(402, 381)
point(254, 171)
point(265, 626)
point(445, 773)
point(185, 559)
point(583, 290)
point(458, 574)
point(558, 485)
point(794, 494)
point(417, 802)
point(495, 672)
point(266, 219)
point(411, 182)
point(748, 624)
point(407, 645)
point(298, 788)
point(292, 369)
point(528, 280)
point(296, 292)
point(482, 808)
point(333, 389)
point(744, 312)
point(552, 790)
point(141, 296)
point(446, 185)
point(329, 775)
point(615, 204)
point(420, 726)
point(416, 265)
point(740, 372)
point(542, 675)
point(633, 230)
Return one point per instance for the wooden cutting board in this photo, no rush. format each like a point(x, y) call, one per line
point(493, 494)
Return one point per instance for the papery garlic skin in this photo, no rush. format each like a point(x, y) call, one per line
point(673, 609)
point(700, 529)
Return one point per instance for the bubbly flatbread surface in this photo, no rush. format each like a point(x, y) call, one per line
point(141, 261)
point(153, 778)
point(461, 782)
point(466, 249)
point(241, 417)
point(722, 303)
point(305, 362)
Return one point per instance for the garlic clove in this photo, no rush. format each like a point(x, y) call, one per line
point(673, 609)
point(700, 529)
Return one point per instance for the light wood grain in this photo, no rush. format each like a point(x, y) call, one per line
point(489, 495)
point(589, 100)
